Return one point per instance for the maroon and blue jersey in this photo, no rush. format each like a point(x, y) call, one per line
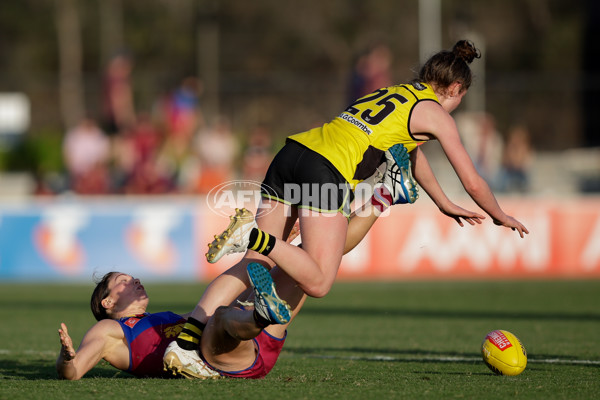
point(148, 336)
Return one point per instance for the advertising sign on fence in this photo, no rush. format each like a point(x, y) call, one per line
point(167, 241)
point(73, 241)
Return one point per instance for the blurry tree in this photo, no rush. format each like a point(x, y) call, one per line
point(70, 83)
point(287, 64)
point(111, 28)
point(208, 55)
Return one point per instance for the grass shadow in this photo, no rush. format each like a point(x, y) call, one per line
point(43, 369)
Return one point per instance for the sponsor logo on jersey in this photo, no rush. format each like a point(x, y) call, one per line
point(418, 85)
point(131, 322)
point(355, 122)
point(173, 330)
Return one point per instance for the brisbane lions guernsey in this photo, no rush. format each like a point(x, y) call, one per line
point(148, 336)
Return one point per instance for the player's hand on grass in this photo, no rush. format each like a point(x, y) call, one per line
point(513, 224)
point(67, 350)
point(459, 214)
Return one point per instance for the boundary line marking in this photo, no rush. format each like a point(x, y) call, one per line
point(446, 359)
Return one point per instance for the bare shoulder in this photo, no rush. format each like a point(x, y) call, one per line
point(107, 328)
point(108, 338)
point(430, 119)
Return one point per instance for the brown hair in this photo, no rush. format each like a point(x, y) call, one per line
point(100, 293)
point(447, 67)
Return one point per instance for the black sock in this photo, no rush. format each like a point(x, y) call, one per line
point(189, 337)
point(261, 242)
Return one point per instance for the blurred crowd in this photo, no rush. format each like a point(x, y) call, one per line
point(168, 150)
point(504, 161)
point(171, 149)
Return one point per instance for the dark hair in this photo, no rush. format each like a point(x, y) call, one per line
point(447, 67)
point(100, 293)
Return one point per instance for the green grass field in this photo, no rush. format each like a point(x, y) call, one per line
point(407, 340)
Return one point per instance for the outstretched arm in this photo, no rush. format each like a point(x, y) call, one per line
point(429, 118)
point(96, 344)
point(476, 186)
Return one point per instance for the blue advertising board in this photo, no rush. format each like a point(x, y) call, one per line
point(73, 241)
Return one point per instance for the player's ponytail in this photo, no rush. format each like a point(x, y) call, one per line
point(466, 50)
point(447, 67)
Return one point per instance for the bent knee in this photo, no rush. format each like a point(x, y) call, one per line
point(318, 291)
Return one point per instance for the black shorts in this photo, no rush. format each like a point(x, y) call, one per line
point(301, 177)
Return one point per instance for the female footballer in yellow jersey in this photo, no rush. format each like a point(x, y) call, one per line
point(312, 177)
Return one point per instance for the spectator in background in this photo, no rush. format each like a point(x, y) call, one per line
point(181, 117)
point(357, 78)
point(86, 152)
point(516, 160)
point(137, 167)
point(257, 154)
point(148, 178)
point(218, 149)
point(371, 71)
point(483, 142)
point(118, 108)
point(181, 110)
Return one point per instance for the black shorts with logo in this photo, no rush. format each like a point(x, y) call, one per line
point(301, 177)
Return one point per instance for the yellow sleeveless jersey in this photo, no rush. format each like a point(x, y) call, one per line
point(354, 142)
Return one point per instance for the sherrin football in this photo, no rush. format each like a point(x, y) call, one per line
point(504, 353)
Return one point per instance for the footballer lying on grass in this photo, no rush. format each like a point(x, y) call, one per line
point(135, 341)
